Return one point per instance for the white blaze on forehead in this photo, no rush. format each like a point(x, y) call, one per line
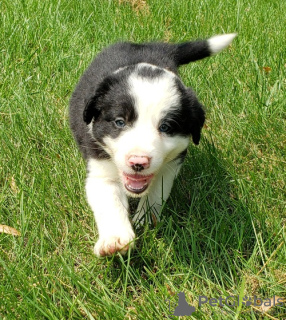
point(155, 96)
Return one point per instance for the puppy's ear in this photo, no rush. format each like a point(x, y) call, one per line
point(90, 110)
point(93, 105)
point(195, 114)
point(197, 120)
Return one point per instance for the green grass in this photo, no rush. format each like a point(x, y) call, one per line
point(223, 231)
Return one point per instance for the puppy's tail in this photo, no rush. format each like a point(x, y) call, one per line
point(196, 50)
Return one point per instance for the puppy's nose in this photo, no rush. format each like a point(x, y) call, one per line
point(138, 163)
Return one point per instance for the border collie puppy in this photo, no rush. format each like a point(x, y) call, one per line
point(132, 118)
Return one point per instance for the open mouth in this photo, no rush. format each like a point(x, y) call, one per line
point(136, 183)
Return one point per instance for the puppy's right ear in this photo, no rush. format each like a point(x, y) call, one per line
point(90, 110)
point(93, 106)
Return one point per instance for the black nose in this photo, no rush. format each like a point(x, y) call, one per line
point(137, 167)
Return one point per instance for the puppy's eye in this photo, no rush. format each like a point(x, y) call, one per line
point(120, 123)
point(164, 127)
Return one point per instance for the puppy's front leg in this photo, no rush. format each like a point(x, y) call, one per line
point(110, 207)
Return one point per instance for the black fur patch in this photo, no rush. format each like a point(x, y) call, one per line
point(149, 72)
point(199, 50)
point(92, 110)
point(111, 101)
point(187, 118)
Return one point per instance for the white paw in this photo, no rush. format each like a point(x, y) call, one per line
point(106, 246)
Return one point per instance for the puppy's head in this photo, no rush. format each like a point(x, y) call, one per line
point(143, 117)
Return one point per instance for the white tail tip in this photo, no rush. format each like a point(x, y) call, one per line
point(218, 43)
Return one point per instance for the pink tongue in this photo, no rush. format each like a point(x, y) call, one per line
point(136, 184)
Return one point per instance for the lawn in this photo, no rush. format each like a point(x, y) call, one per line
point(223, 228)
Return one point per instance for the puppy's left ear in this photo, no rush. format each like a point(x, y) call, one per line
point(197, 121)
point(196, 114)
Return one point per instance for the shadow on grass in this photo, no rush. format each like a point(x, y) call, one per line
point(209, 226)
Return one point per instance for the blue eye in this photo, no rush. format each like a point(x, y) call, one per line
point(164, 127)
point(120, 123)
